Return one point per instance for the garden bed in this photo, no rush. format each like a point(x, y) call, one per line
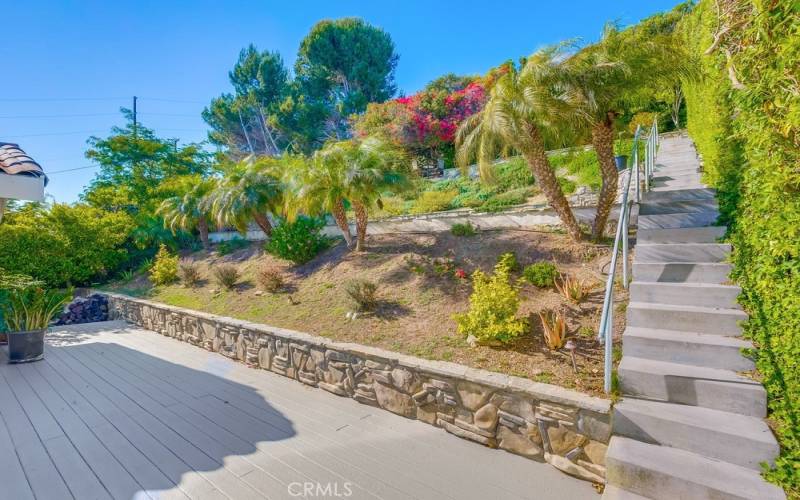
point(418, 291)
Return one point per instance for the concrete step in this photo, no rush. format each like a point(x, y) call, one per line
point(690, 294)
point(682, 252)
point(708, 234)
point(671, 221)
point(691, 385)
point(688, 348)
point(681, 195)
point(611, 492)
point(674, 178)
point(677, 207)
point(682, 272)
point(737, 439)
point(708, 320)
point(682, 187)
point(681, 168)
point(664, 473)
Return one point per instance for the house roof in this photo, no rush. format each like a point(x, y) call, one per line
point(14, 161)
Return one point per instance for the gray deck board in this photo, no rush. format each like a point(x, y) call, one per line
point(29, 449)
point(116, 411)
point(12, 476)
point(422, 458)
point(411, 467)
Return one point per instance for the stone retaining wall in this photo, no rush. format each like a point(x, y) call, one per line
point(543, 422)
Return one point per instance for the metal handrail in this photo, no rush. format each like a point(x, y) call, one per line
point(606, 329)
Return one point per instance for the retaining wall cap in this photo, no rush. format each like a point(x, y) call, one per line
point(537, 390)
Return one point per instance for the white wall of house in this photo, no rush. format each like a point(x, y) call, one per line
point(21, 187)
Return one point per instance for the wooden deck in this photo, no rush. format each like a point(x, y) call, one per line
point(118, 412)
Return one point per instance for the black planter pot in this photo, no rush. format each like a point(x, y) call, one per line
point(622, 162)
point(24, 347)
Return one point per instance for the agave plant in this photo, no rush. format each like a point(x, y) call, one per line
point(573, 289)
point(32, 308)
point(554, 329)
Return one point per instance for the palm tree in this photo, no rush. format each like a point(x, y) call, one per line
point(373, 166)
point(350, 171)
point(250, 190)
point(604, 80)
point(320, 187)
point(524, 112)
point(188, 211)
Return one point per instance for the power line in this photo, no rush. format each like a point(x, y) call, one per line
point(60, 116)
point(164, 99)
point(147, 113)
point(49, 99)
point(55, 133)
point(72, 169)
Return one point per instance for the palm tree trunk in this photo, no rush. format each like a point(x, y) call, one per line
point(340, 216)
point(603, 142)
point(202, 228)
point(535, 155)
point(263, 222)
point(362, 218)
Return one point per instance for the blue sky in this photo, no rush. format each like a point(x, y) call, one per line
point(70, 65)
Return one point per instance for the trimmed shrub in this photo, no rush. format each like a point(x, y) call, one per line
point(465, 229)
point(501, 201)
point(513, 174)
point(433, 201)
point(298, 241)
point(189, 273)
point(226, 275)
point(509, 261)
point(542, 274)
point(362, 293)
point(165, 267)
point(229, 246)
point(493, 306)
point(270, 278)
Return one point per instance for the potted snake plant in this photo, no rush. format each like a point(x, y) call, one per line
point(27, 313)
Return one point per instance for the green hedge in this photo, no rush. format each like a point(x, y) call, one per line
point(749, 138)
point(65, 244)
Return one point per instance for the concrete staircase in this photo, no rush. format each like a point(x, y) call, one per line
point(690, 424)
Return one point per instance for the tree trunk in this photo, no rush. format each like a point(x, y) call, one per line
point(246, 135)
point(603, 142)
point(263, 222)
point(536, 157)
point(340, 216)
point(3, 202)
point(202, 228)
point(677, 101)
point(362, 217)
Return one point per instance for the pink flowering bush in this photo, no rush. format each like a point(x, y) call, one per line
point(425, 123)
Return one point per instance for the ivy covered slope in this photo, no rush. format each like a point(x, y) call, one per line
point(744, 115)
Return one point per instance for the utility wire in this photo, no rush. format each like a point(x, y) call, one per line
point(47, 99)
point(71, 169)
point(163, 99)
point(60, 116)
point(55, 133)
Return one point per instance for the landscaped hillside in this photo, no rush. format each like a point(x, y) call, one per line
point(422, 281)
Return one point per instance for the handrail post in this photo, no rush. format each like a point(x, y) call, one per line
point(636, 166)
point(609, 344)
point(625, 215)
